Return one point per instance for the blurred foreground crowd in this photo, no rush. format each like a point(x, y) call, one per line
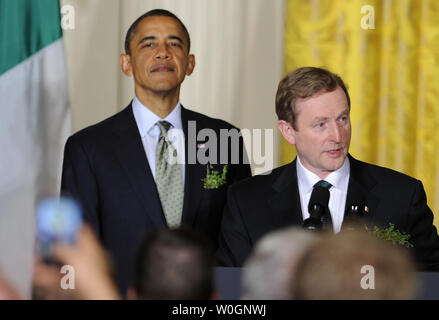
point(179, 264)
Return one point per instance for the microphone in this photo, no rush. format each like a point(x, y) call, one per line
point(354, 210)
point(317, 207)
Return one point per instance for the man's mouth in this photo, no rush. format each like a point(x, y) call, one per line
point(162, 69)
point(335, 152)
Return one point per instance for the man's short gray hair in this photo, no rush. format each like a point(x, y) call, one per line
point(270, 269)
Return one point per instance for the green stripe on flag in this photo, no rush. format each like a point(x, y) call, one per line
point(26, 27)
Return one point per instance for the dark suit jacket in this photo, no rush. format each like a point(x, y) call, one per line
point(106, 169)
point(264, 203)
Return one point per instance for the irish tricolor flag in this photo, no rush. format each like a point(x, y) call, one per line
point(34, 124)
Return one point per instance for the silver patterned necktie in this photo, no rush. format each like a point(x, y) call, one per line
point(169, 177)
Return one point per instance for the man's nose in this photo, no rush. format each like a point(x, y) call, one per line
point(162, 52)
point(336, 133)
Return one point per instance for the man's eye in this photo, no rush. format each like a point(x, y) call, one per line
point(175, 44)
point(147, 45)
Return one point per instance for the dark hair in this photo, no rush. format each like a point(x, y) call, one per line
point(174, 264)
point(303, 83)
point(152, 13)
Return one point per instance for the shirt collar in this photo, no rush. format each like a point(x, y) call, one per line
point(338, 178)
point(146, 119)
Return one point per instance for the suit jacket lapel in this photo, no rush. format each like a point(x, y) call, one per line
point(361, 182)
point(193, 172)
point(285, 198)
point(132, 158)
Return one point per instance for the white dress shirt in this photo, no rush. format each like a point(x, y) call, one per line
point(150, 132)
point(338, 192)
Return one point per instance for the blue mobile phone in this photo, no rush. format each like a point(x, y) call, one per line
point(58, 220)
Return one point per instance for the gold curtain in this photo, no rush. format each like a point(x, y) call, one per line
point(388, 54)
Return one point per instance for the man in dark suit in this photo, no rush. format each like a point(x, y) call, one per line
point(130, 173)
point(313, 108)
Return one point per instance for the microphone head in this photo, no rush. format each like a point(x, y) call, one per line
point(312, 224)
point(318, 202)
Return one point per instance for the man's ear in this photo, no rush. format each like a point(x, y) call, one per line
point(191, 64)
point(125, 64)
point(287, 131)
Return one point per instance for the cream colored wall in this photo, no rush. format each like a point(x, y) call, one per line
point(238, 45)
point(92, 52)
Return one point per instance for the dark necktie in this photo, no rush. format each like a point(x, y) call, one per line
point(326, 218)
